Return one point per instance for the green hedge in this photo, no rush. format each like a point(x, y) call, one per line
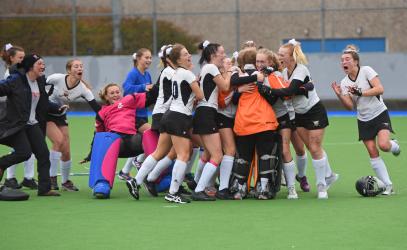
point(53, 36)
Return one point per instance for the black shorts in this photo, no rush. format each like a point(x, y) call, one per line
point(176, 123)
point(140, 121)
point(204, 121)
point(222, 121)
point(156, 121)
point(315, 118)
point(368, 130)
point(58, 120)
point(285, 122)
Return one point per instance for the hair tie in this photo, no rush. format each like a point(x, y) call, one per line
point(135, 56)
point(168, 51)
point(349, 50)
point(235, 55)
point(8, 46)
point(293, 42)
point(161, 52)
point(205, 44)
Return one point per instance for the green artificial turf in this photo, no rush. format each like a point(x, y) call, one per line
point(344, 221)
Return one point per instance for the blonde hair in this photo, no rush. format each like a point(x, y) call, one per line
point(271, 57)
point(68, 67)
point(296, 52)
point(353, 51)
point(103, 91)
point(139, 54)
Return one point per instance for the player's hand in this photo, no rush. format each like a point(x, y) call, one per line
point(148, 87)
point(336, 88)
point(354, 90)
point(246, 88)
point(63, 109)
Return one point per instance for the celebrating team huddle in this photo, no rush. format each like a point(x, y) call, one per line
point(240, 115)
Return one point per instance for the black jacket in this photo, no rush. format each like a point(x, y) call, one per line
point(18, 93)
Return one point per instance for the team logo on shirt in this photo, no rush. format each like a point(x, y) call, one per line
point(386, 124)
point(316, 123)
point(120, 105)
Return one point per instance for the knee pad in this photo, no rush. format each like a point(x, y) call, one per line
point(241, 169)
point(270, 166)
point(105, 151)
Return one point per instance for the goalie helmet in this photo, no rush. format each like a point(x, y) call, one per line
point(369, 186)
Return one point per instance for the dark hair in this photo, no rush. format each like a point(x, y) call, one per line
point(6, 54)
point(209, 50)
point(247, 56)
point(176, 53)
point(139, 54)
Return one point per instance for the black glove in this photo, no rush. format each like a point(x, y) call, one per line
point(355, 91)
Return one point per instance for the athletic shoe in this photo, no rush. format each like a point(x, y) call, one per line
point(101, 190)
point(136, 163)
point(263, 195)
point(189, 179)
point(184, 191)
point(54, 183)
point(69, 186)
point(29, 183)
point(177, 198)
point(223, 194)
point(397, 153)
point(12, 183)
point(150, 186)
point(49, 193)
point(124, 176)
point(241, 192)
point(292, 194)
point(389, 190)
point(331, 180)
point(202, 196)
point(303, 183)
point(211, 191)
point(322, 192)
point(133, 188)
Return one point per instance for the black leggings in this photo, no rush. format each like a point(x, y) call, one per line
point(29, 140)
point(131, 145)
point(263, 142)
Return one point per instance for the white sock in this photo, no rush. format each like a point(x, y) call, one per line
point(263, 183)
point(208, 171)
point(65, 170)
point(212, 180)
point(11, 172)
point(199, 170)
point(328, 170)
point(178, 174)
point(302, 165)
point(394, 146)
point(320, 166)
point(381, 171)
point(162, 165)
point(225, 170)
point(191, 161)
point(54, 158)
point(145, 169)
point(141, 157)
point(289, 172)
point(127, 166)
point(29, 168)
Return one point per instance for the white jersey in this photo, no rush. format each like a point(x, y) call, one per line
point(62, 94)
point(165, 91)
point(182, 95)
point(301, 103)
point(368, 107)
point(230, 109)
point(208, 86)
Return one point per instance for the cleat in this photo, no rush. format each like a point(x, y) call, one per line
point(50, 193)
point(101, 190)
point(54, 183)
point(303, 183)
point(150, 186)
point(241, 192)
point(177, 198)
point(69, 186)
point(223, 194)
point(322, 191)
point(331, 180)
point(133, 188)
point(189, 179)
point(397, 152)
point(136, 163)
point(263, 195)
point(29, 183)
point(184, 191)
point(202, 196)
point(124, 176)
point(12, 183)
point(389, 190)
point(292, 194)
point(210, 191)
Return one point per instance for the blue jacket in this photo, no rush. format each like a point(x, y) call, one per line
point(136, 83)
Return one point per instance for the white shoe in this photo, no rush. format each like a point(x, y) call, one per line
point(322, 191)
point(397, 152)
point(331, 180)
point(389, 190)
point(292, 194)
